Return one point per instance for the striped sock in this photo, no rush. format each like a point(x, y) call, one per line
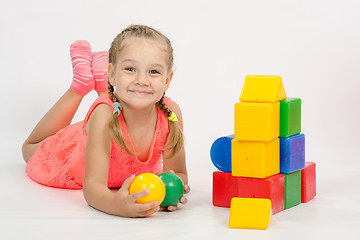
point(83, 80)
point(100, 62)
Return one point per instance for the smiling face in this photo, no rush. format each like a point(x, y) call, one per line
point(140, 75)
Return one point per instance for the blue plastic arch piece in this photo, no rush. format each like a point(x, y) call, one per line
point(220, 153)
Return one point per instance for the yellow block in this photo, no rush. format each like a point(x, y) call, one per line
point(251, 213)
point(255, 159)
point(257, 121)
point(261, 88)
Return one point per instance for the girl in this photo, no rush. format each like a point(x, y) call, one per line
point(125, 132)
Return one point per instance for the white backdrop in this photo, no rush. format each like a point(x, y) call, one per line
point(313, 45)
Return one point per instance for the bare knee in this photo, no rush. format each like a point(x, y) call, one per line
point(28, 150)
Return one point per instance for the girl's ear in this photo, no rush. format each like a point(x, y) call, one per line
point(111, 73)
point(168, 80)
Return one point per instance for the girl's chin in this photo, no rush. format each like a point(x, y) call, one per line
point(139, 101)
point(140, 104)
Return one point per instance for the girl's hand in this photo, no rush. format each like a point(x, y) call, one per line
point(128, 207)
point(183, 200)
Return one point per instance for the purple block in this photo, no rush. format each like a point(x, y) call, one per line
point(292, 153)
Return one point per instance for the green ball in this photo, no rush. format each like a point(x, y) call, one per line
point(174, 188)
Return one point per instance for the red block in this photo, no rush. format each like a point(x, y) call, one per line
point(226, 186)
point(271, 188)
point(308, 182)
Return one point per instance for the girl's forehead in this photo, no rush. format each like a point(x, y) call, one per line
point(134, 43)
point(141, 49)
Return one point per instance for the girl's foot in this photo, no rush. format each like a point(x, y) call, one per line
point(100, 62)
point(83, 80)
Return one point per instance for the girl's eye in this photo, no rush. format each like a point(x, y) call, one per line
point(154, 72)
point(130, 69)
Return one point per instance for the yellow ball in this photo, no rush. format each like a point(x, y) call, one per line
point(153, 183)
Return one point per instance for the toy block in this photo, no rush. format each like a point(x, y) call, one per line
point(271, 188)
point(292, 189)
point(257, 121)
point(250, 213)
point(308, 182)
point(220, 153)
point(255, 159)
point(258, 88)
point(225, 187)
point(290, 117)
point(292, 153)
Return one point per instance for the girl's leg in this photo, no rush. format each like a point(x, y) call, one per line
point(58, 117)
point(100, 63)
point(62, 113)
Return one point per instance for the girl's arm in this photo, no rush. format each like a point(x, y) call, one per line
point(177, 164)
point(97, 159)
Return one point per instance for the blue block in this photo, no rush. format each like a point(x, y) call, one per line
point(292, 153)
point(220, 153)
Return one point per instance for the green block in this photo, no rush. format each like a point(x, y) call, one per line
point(292, 189)
point(290, 117)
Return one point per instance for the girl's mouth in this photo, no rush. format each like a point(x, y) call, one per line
point(140, 92)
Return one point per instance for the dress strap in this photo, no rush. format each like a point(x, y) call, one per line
point(102, 99)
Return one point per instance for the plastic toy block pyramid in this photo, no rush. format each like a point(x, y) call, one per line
point(264, 158)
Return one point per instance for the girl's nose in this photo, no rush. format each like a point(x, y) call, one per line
point(142, 79)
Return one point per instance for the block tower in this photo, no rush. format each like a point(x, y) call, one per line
point(265, 157)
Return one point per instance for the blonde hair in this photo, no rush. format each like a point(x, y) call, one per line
point(175, 138)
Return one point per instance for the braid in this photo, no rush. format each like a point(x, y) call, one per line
point(176, 137)
point(111, 92)
point(163, 106)
point(115, 129)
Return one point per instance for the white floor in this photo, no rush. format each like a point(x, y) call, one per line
point(32, 211)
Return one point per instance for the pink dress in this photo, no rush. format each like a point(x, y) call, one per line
point(60, 160)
